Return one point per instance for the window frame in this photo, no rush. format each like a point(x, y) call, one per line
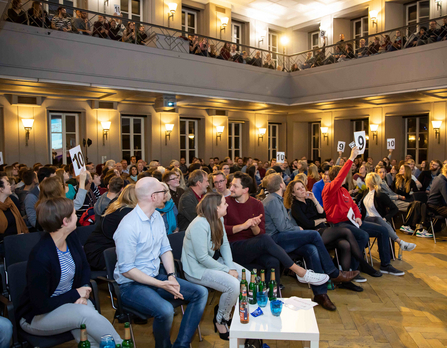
point(231, 139)
point(317, 33)
point(363, 31)
point(418, 17)
point(315, 135)
point(417, 135)
point(185, 11)
point(273, 49)
point(187, 149)
point(130, 14)
point(64, 133)
point(132, 134)
point(236, 40)
point(270, 137)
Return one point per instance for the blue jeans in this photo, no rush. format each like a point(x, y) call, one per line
point(309, 245)
point(362, 235)
point(160, 304)
point(5, 333)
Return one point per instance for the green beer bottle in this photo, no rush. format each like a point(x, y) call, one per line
point(244, 279)
point(118, 345)
point(252, 289)
point(127, 342)
point(262, 287)
point(83, 343)
point(273, 289)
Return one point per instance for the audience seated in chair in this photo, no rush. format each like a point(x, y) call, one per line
point(141, 243)
point(56, 298)
point(114, 187)
point(437, 199)
point(168, 212)
point(61, 21)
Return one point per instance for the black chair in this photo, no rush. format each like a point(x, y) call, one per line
point(17, 284)
point(434, 219)
point(84, 232)
point(17, 249)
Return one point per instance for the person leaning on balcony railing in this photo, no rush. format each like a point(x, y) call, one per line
point(443, 30)
point(421, 38)
point(101, 28)
point(129, 33)
point(308, 62)
point(81, 24)
point(61, 21)
point(399, 42)
point(37, 16)
point(225, 52)
point(349, 53)
point(386, 46)
point(202, 48)
point(433, 32)
point(193, 43)
point(256, 60)
point(374, 47)
point(233, 51)
point(268, 63)
point(361, 51)
point(114, 30)
point(16, 14)
point(212, 51)
point(142, 38)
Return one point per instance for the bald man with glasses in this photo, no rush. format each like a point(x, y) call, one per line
point(145, 285)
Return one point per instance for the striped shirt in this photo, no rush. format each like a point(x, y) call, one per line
point(67, 272)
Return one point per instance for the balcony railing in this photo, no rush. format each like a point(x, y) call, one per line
point(73, 20)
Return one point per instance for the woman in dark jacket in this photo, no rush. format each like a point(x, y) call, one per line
point(56, 297)
point(377, 207)
point(102, 237)
point(16, 14)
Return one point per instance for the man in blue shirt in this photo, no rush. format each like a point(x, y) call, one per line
point(318, 187)
point(141, 242)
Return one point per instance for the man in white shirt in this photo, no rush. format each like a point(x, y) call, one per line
point(141, 242)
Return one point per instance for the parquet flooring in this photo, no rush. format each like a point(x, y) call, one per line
point(408, 311)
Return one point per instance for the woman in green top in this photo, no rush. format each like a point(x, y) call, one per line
point(207, 259)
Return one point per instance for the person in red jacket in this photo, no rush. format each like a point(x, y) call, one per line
point(342, 211)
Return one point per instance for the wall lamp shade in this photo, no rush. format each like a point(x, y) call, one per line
point(105, 130)
point(172, 8)
point(373, 15)
point(28, 125)
point(224, 22)
point(324, 131)
point(262, 132)
point(437, 129)
point(374, 128)
point(262, 35)
point(284, 40)
point(219, 131)
point(169, 127)
point(438, 4)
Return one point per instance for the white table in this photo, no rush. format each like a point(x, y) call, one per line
point(292, 325)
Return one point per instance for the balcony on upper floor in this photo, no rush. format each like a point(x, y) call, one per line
point(93, 49)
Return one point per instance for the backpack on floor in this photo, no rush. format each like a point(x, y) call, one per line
point(253, 343)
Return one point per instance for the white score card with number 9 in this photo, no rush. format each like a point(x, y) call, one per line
point(341, 146)
point(360, 141)
point(77, 159)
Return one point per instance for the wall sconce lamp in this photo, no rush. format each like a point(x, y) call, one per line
point(223, 25)
point(261, 134)
point(169, 128)
point(436, 128)
point(172, 8)
point(105, 131)
point(28, 125)
point(262, 35)
point(219, 131)
point(438, 4)
point(324, 132)
point(373, 15)
point(374, 128)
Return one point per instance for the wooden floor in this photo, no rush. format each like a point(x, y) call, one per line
point(407, 311)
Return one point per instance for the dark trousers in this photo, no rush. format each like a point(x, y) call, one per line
point(261, 250)
point(440, 210)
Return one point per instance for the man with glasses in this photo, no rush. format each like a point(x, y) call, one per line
point(197, 187)
point(141, 242)
point(427, 176)
point(220, 183)
point(172, 179)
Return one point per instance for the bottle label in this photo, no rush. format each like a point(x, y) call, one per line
point(83, 335)
point(243, 311)
point(275, 292)
point(250, 295)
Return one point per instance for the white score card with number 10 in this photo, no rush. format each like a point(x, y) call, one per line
point(78, 159)
point(360, 141)
point(391, 144)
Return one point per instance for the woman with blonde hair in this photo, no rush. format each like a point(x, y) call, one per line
point(182, 178)
point(302, 166)
point(207, 258)
point(102, 237)
point(312, 176)
point(377, 207)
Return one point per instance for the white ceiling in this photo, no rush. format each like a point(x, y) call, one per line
point(287, 13)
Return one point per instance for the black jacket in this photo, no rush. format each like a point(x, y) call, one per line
point(187, 209)
point(425, 179)
point(43, 275)
point(438, 192)
point(383, 204)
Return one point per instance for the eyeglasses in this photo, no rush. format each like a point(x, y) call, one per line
point(219, 182)
point(174, 178)
point(164, 192)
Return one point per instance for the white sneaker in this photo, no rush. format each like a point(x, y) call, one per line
point(406, 229)
point(405, 246)
point(313, 278)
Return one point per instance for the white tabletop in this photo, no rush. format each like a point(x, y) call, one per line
point(291, 325)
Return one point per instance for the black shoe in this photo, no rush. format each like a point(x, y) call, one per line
point(224, 336)
point(350, 286)
point(359, 279)
point(370, 270)
point(282, 287)
point(391, 270)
